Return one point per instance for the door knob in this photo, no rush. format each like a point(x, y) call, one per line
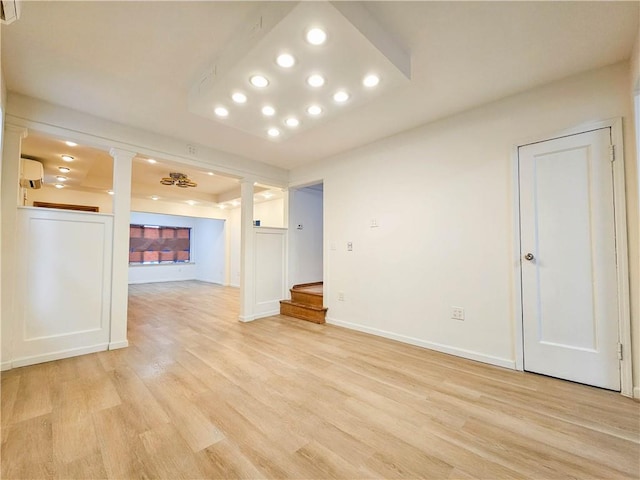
point(529, 256)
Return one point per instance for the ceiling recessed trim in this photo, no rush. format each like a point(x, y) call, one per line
point(283, 70)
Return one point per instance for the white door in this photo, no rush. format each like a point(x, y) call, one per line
point(567, 247)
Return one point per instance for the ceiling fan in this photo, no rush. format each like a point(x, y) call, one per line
point(179, 180)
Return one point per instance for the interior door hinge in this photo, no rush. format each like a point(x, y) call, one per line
point(612, 153)
point(619, 351)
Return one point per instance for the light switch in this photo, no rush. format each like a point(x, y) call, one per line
point(349, 246)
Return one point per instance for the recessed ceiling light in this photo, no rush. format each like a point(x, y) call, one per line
point(267, 194)
point(64, 169)
point(58, 185)
point(222, 206)
point(314, 110)
point(151, 160)
point(239, 97)
point(316, 36)
point(61, 178)
point(273, 132)
point(210, 173)
point(341, 96)
point(221, 112)
point(268, 111)
point(235, 203)
point(315, 80)
point(259, 81)
point(191, 202)
point(292, 122)
point(371, 80)
point(71, 144)
point(110, 192)
point(154, 197)
point(67, 158)
point(285, 60)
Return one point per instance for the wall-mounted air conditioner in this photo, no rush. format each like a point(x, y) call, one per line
point(31, 173)
point(9, 11)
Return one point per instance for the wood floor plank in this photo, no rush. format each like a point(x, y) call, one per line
point(198, 394)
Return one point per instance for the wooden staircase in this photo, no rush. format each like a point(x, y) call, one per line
point(306, 303)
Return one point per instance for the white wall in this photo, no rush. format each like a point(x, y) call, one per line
point(270, 214)
point(305, 245)
point(207, 247)
point(443, 196)
point(48, 193)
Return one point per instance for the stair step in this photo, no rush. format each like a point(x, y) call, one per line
point(310, 313)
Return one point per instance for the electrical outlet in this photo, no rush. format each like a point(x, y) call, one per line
point(374, 223)
point(192, 150)
point(341, 296)
point(457, 313)
point(349, 246)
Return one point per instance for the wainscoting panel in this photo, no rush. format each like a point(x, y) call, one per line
point(64, 284)
point(270, 262)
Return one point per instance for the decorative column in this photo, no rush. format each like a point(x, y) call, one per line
point(247, 241)
point(122, 161)
point(9, 201)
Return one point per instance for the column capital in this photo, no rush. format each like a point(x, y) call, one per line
point(21, 131)
point(120, 153)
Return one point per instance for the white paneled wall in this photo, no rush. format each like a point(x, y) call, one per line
point(63, 289)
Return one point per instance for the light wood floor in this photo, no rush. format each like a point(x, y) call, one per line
point(200, 395)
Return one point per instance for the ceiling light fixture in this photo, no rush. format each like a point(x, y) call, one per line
point(221, 112)
point(61, 178)
point(315, 81)
point(179, 180)
point(58, 185)
point(267, 195)
point(210, 174)
point(154, 197)
point(285, 60)
point(268, 111)
point(235, 203)
point(273, 132)
point(341, 96)
point(64, 169)
point(316, 36)
point(67, 158)
point(71, 144)
point(371, 80)
point(292, 122)
point(110, 192)
point(239, 97)
point(314, 110)
point(151, 160)
point(259, 81)
point(191, 202)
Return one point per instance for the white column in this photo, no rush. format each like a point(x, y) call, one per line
point(247, 266)
point(122, 161)
point(10, 199)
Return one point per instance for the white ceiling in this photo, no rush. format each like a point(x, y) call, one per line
point(135, 62)
point(92, 171)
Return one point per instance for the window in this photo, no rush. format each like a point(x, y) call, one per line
point(155, 244)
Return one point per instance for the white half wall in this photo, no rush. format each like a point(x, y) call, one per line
point(207, 251)
point(443, 198)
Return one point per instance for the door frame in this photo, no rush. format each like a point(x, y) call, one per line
point(622, 259)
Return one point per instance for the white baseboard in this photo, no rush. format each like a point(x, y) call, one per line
point(636, 392)
point(458, 352)
point(256, 316)
point(6, 366)
point(73, 352)
point(161, 280)
point(117, 345)
point(234, 285)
